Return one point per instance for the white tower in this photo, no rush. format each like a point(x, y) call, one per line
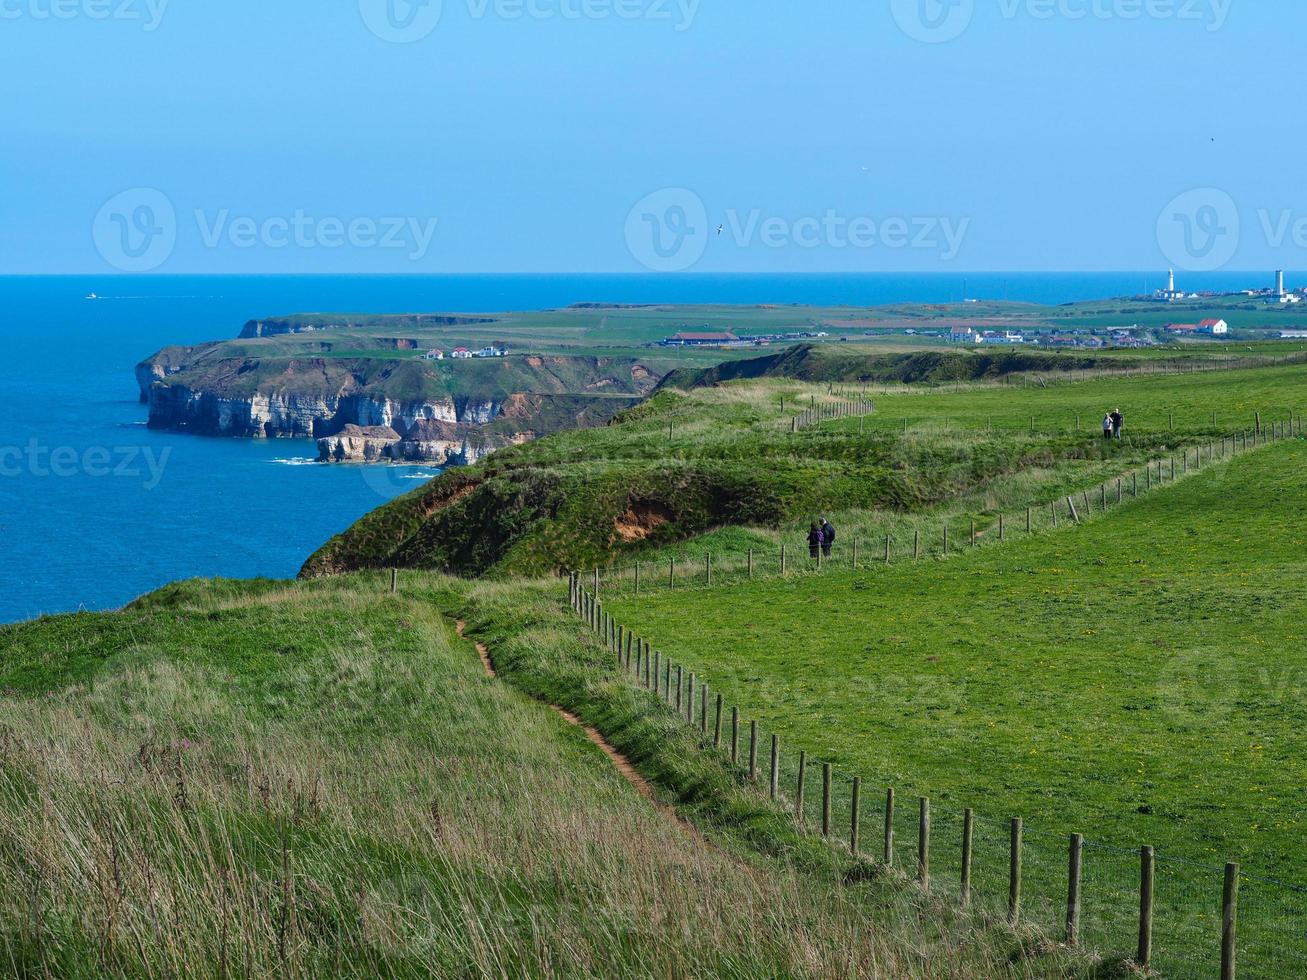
point(1170, 282)
point(1279, 284)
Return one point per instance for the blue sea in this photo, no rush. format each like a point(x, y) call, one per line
point(95, 509)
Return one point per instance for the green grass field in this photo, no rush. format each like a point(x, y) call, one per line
point(1139, 679)
point(304, 780)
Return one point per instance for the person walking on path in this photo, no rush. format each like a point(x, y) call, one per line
point(1118, 422)
point(1108, 425)
point(815, 541)
point(827, 537)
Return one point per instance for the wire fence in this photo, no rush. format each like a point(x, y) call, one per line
point(1159, 912)
point(932, 538)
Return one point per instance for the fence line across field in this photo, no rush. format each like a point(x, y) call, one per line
point(863, 554)
point(1168, 914)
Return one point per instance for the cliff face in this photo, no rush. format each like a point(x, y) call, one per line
point(291, 415)
point(367, 409)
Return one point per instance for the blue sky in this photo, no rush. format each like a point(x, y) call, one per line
point(519, 135)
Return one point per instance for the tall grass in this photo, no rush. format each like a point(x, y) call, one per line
point(261, 780)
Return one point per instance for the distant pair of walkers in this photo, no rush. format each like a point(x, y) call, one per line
point(821, 538)
point(1113, 422)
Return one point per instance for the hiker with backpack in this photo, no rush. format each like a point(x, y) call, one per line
point(827, 537)
point(815, 541)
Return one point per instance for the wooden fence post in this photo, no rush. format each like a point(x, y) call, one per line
point(750, 564)
point(1072, 504)
point(888, 542)
point(889, 827)
point(946, 539)
point(753, 751)
point(1229, 921)
point(678, 688)
point(689, 708)
point(782, 560)
point(775, 782)
point(855, 554)
point(637, 578)
point(916, 545)
point(923, 844)
point(826, 773)
point(798, 789)
point(1146, 872)
point(968, 829)
point(671, 573)
point(1014, 873)
point(707, 569)
point(1029, 520)
point(657, 670)
point(394, 580)
point(856, 816)
point(735, 736)
point(717, 725)
point(1001, 531)
point(1073, 890)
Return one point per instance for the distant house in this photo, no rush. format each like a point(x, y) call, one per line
point(962, 335)
point(461, 354)
point(435, 354)
point(1214, 327)
point(1182, 328)
point(491, 351)
point(688, 339)
point(1293, 334)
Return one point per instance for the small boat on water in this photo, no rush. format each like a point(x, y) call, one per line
point(92, 296)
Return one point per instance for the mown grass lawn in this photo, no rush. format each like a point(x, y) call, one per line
point(1139, 679)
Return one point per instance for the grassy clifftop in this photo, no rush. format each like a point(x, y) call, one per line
point(724, 461)
point(807, 362)
point(318, 779)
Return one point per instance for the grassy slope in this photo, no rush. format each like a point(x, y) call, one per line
point(724, 458)
point(1138, 679)
point(317, 779)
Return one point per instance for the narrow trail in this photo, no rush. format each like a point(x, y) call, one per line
point(620, 762)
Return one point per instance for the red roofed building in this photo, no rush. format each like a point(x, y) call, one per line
point(1182, 328)
point(1215, 327)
